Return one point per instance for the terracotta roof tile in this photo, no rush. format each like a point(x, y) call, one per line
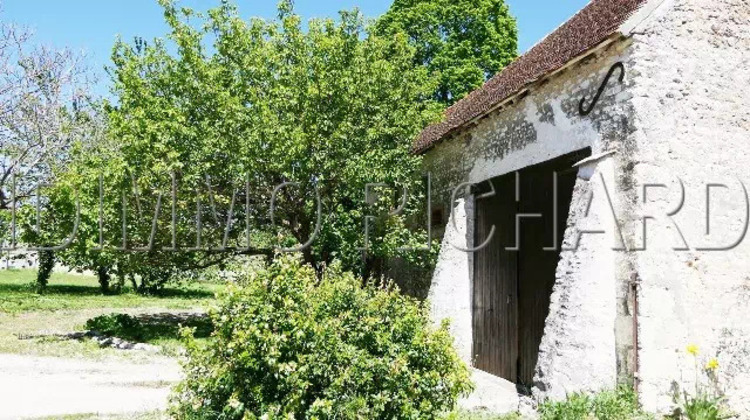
point(588, 28)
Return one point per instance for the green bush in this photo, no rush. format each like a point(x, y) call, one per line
point(116, 325)
point(287, 345)
point(620, 404)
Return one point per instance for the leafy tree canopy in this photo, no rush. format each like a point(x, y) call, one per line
point(462, 42)
point(234, 108)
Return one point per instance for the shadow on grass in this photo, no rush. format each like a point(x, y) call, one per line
point(150, 327)
point(81, 290)
point(185, 294)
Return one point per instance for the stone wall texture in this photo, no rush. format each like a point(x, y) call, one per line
point(691, 95)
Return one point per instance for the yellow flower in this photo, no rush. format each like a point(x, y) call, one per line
point(692, 349)
point(712, 364)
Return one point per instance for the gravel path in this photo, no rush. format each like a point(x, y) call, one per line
point(48, 386)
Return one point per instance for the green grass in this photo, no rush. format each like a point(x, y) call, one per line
point(70, 301)
point(618, 404)
point(73, 291)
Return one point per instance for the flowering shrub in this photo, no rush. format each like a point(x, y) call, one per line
point(288, 345)
point(707, 402)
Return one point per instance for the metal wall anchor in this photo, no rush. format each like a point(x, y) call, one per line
point(586, 111)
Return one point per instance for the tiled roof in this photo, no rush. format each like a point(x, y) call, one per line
point(588, 28)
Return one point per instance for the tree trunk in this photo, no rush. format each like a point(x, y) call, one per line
point(104, 277)
point(46, 265)
point(133, 282)
point(120, 280)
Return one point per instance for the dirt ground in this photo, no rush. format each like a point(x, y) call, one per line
point(56, 378)
point(32, 386)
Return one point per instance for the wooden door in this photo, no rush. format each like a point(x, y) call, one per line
point(512, 289)
point(495, 302)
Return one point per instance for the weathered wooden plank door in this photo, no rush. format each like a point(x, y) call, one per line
point(495, 306)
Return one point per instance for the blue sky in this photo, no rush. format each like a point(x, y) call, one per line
point(93, 25)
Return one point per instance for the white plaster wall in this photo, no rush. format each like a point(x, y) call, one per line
point(553, 138)
point(577, 352)
point(450, 291)
point(691, 71)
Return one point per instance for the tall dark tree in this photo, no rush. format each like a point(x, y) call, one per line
point(461, 42)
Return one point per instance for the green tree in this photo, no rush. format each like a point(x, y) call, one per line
point(332, 108)
point(462, 42)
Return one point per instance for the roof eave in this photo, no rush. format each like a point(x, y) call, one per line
point(615, 37)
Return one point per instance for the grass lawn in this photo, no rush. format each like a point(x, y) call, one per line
point(75, 291)
point(72, 299)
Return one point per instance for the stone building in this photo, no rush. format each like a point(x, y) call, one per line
point(568, 291)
